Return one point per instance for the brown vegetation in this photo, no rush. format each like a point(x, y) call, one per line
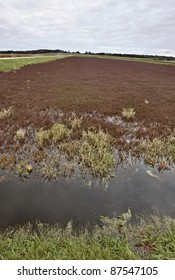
point(85, 85)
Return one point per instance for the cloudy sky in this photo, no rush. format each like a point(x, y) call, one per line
point(120, 26)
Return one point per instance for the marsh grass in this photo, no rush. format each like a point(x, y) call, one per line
point(159, 151)
point(37, 155)
point(56, 134)
point(50, 172)
point(23, 168)
point(116, 238)
point(50, 165)
point(6, 113)
point(128, 113)
point(93, 152)
point(75, 121)
point(20, 134)
point(42, 137)
point(97, 152)
point(7, 161)
point(59, 132)
point(70, 149)
point(66, 148)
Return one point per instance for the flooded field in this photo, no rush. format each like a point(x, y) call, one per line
point(136, 187)
point(59, 129)
point(87, 160)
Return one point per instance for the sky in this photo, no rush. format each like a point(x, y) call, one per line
point(113, 26)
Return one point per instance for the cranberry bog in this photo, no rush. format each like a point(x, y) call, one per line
point(82, 137)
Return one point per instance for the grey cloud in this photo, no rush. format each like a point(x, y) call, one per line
point(145, 26)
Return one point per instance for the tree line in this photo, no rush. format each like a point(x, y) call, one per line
point(57, 51)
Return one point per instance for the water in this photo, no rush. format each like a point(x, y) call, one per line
point(59, 202)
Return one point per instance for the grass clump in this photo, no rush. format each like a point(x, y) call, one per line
point(42, 137)
point(49, 171)
point(155, 239)
point(97, 152)
point(20, 134)
point(70, 149)
point(159, 151)
point(6, 113)
point(75, 121)
point(94, 151)
point(128, 113)
point(56, 133)
point(38, 155)
point(23, 169)
point(7, 161)
point(50, 166)
point(59, 132)
point(115, 239)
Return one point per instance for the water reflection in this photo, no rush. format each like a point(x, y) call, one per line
point(60, 202)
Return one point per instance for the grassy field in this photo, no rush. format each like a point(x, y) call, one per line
point(136, 59)
point(116, 239)
point(7, 64)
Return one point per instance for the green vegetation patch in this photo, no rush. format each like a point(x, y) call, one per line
point(97, 152)
point(94, 152)
point(136, 59)
point(62, 150)
point(115, 239)
point(16, 63)
point(56, 133)
point(159, 151)
point(23, 169)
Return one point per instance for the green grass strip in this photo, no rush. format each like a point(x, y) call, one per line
point(116, 239)
point(16, 63)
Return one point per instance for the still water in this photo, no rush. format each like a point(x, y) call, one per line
point(69, 199)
